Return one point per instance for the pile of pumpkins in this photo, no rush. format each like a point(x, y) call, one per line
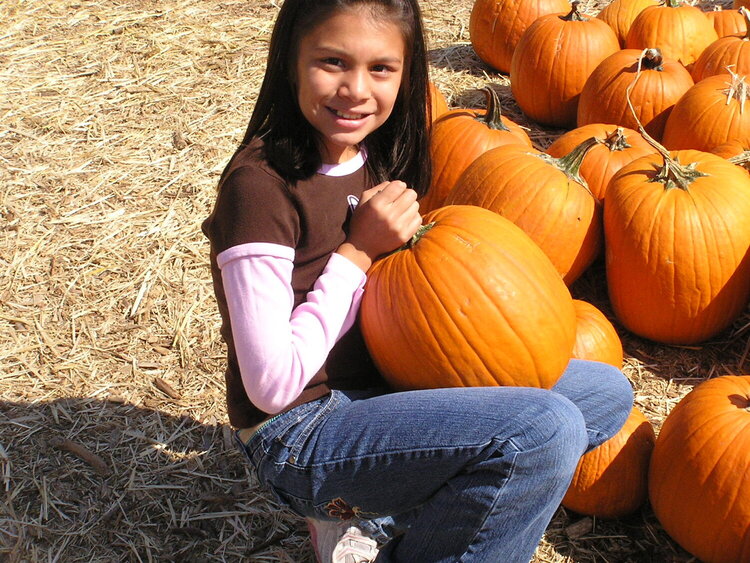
point(649, 175)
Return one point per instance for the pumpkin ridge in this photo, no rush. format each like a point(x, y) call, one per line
point(467, 268)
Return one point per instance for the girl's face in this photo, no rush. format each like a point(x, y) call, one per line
point(349, 71)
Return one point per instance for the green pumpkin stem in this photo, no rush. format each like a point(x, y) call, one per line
point(493, 117)
point(570, 164)
point(672, 174)
point(672, 3)
point(574, 15)
point(413, 240)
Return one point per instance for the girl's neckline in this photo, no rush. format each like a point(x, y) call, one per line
point(345, 168)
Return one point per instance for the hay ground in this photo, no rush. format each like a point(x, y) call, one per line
point(116, 118)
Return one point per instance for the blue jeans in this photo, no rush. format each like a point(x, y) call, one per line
point(443, 475)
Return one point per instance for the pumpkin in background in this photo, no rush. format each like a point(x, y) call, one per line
point(459, 137)
point(677, 237)
point(729, 150)
point(727, 22)
point(438, 103)
point(616, 146)
point(731, 52)
point(680, 30)
point(471, 301)
point(661, 82)
point(737, 4)
point(596, 337)
point(734, 152)
point(495, 26)
point(700, 471)
point(611, 481)
point(544, 196)
point(619, 15)
point(552, 61)
point(712, 112)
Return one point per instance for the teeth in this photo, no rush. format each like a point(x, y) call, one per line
point(348, 115)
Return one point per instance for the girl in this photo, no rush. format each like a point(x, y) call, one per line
point(324, 182)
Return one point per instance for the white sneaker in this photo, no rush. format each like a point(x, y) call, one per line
point(340, 542)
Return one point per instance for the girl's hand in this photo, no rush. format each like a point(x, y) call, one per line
point(386, 217)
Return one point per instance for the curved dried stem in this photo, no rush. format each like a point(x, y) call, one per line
point(673, 174)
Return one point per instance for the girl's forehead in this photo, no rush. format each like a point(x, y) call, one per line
point(370, 16)
point(356, 27)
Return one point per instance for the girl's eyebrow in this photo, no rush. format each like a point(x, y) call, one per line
point(342, 53)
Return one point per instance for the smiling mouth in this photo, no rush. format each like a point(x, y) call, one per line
point(345, 115)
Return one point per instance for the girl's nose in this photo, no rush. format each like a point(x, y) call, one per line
point(355, 86)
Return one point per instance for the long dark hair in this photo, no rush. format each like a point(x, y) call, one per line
point(397, 150)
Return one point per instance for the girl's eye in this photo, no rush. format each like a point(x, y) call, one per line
point(381, 69)
point(332, 61)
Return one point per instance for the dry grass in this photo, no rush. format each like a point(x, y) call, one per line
point(115, 120)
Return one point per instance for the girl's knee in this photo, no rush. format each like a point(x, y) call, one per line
point(558, 429)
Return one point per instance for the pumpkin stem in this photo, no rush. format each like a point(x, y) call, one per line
point(574, 15)
point(570, 164)
point(746, 15)
point(737, 89)
point(493, 117)
point(672, 174)
point(418, 235)
point(742, 159)
point(652, 59)
point(672, 3)
point(616, 140)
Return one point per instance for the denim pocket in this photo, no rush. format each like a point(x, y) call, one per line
point(297, 435)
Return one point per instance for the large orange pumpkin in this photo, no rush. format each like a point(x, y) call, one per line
point(677, 238)
point(619, 14)
point(612, 480)
point(495, 26)
point(730, 52)
point(700, 471)
point(459, 137)
point(713, 112)
point(544, 196)
point(471, 301)
point(661, 82)
point(616, 146)
point(596, 337)
point(552, 61)
point(679, 30)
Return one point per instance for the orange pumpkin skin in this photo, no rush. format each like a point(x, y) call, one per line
point(617, 147)
point(458, 138)
point(732, 51)
point(680, 31)
point(700, 471)
point(495, 26)
point(473, 302)
point(728, 150)
point(611, 481)
point(661, 83)
point(707, 116)
point(525, 186)
point(619, 14)
point(737, 4)
point(596, 337)
point(727, 22)
point(552, 61)
point(438, 103)
point(677, 259)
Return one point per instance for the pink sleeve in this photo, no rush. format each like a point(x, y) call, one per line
point(279, 349)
